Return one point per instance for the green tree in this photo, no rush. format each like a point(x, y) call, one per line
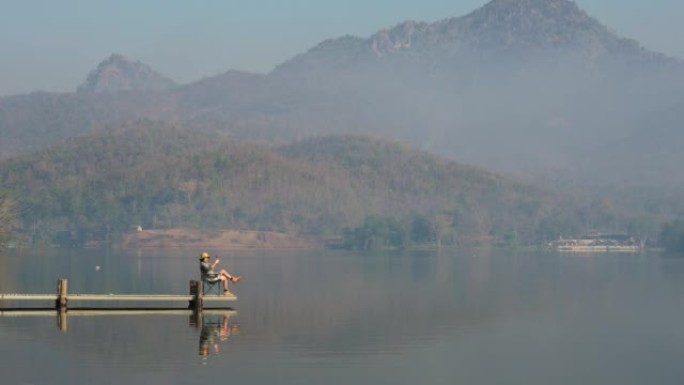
point(377, 233)
point(422, 230)
point(672, 236)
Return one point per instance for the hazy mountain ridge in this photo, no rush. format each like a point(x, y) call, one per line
point(535, 25)
point(117, 74)
point(517, 85)
point(519, 27)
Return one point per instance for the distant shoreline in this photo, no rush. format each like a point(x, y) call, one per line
point(219, 239)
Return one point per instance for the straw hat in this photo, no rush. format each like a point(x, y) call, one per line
point(203, 255)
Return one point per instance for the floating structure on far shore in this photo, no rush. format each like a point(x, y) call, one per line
point(597, 243)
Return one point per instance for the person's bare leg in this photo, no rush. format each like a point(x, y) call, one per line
point(225, 274)
point(225, 284)
point(232, 278)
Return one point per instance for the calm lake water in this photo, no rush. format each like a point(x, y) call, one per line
point(323, 317)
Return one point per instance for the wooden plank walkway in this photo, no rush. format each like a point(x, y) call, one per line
point(110, 312)
point(62, 314)
point(62, 298)
point(115, 297)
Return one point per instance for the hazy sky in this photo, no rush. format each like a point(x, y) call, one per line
point(52, 45)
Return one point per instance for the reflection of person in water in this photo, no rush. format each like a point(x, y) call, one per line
point(214, 332)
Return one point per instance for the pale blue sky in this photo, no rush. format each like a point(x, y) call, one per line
point(51, 45)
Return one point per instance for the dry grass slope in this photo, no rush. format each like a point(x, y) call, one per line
point(217, 239)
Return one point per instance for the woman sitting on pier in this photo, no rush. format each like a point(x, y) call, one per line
point(207, 270)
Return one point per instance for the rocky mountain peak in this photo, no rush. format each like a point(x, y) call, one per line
point(501, 31)
point(397, 38)
point(542, 22)
point(117, 73)
point(506, 26)
point(553, 9)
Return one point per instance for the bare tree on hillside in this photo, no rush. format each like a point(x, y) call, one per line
point(8, 211)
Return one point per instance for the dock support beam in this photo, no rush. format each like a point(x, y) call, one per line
point(62, 285)
point(62, 320)
point(197, 302)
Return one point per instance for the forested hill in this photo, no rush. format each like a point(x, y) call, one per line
point(99, 186)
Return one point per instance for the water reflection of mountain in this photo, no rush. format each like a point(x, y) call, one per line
point(331, 303)
point(389, 303)
point(392, 302)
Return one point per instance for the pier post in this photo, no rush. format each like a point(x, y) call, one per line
point(61, 294)
point(197, 298)
point(62, 319)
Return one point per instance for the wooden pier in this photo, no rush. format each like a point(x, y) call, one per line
point(63, 299)
point(93, 312)
point(196, 316)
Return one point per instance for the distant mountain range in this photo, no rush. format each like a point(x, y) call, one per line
point(521, 29)
point(525, 86)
